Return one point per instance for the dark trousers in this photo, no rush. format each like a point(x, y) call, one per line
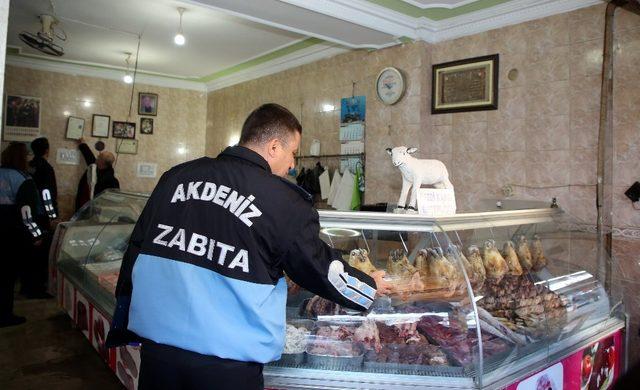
point(8, 274)
point(164, 367)
point(35, 271)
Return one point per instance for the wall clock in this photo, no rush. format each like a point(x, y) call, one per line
point(390, 85)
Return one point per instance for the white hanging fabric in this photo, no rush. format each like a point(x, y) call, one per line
point(344, 195)
point(335, 183)
point(325, 186)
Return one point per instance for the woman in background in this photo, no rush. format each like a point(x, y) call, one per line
point(19, 233)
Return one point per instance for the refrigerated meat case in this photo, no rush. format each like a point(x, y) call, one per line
point(539, 317)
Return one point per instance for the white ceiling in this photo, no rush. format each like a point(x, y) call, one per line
point(224, 33)
point(424, 4)
point(215, 40)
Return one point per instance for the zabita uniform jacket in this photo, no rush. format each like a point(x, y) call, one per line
point(204, 270)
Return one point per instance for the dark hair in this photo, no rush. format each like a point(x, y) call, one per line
point(40, 146)
point(267, 122)
point(15, 156)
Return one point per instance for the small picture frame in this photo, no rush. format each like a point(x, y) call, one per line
point(125, 130)
point(146, 125)
point(127, 146)
point(465, 85)
point(100, 127)
point(147, 103)
point(75, 127)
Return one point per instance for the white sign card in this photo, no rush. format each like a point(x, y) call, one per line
point(434, 202)
point(147, 170)
point(67, 156)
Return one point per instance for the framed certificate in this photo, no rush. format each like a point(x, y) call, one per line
point(465, 85)
point(100, 126)
point(127, 146)
point(75, 127)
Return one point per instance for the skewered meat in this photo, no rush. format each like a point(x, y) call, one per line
point(494, 262)
point(539, 260)
point(524, 253)
point(359, 259)
point(398, 264)
point(422, 264)
point(442, 269)
point(511, 258)
point(478, 267)
point(415, 283)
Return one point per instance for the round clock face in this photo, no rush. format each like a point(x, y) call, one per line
point(390, 85)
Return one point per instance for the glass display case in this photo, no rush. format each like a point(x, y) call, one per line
point(88, 249)
point(479, 300)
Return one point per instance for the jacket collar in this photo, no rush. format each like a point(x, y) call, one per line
point(248, 155)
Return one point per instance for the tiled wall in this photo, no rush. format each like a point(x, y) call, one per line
point(305, 89)
point(179, 127)
point(542, 140)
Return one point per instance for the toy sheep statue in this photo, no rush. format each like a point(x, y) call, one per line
point(416, 173)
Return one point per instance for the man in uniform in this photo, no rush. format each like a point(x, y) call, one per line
point(202, 282)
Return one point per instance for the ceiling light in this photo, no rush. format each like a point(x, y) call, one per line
point(66, 113)
point(179, 38)
point(128, 78)
point(328, 107)
point(86, 103)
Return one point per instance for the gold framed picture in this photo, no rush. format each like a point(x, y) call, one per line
point(465, 85)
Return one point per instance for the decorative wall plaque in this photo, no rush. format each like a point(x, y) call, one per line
point(465, 85)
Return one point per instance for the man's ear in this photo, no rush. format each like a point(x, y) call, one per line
point(272, 147)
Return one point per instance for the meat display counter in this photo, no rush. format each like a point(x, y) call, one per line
point(495, 299)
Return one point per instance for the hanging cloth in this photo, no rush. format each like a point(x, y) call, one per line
point(344, 195)
point(335, 183)
point(325, 186)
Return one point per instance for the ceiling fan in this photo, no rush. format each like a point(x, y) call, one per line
point(43, 40)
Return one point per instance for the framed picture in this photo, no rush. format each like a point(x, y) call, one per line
point(146, 125)
point(75, 127)
point(100, 126)
point(21, 118)
point(127, 146)
point(147, 103)
point(465, 85)
point(353, 109)
point(123, 130)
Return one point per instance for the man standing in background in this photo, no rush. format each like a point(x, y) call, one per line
point(106, 175)
point(35, 275)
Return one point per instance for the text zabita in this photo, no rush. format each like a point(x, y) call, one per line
point(199, 245)
point(239, 205)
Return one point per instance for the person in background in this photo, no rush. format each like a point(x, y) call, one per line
point(35, 275)
point(202, 282)
point(19, 233)
point(106, 175)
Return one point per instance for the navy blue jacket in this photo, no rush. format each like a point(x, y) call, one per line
point(204, 267)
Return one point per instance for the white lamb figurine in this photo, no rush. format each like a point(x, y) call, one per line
point(416, 173)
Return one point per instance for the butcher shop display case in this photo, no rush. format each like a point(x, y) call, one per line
point(88, 249)
point(511, 294)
